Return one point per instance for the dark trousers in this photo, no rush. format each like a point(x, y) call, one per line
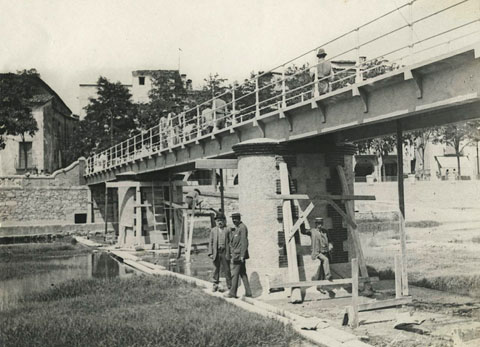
point(239, 270)
point(221, 262)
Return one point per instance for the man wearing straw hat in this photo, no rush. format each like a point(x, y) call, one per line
point(324, 72)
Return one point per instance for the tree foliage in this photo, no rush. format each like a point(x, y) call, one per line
point(16, 94)
point(458, 136)
point(110, 118)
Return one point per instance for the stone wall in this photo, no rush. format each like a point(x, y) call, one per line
point(44, 200)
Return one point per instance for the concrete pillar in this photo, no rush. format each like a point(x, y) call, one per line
point(313, 171)
point(257, 176)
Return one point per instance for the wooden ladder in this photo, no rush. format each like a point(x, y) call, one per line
point(160, 223)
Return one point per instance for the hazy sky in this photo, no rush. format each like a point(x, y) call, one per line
point(72, 42)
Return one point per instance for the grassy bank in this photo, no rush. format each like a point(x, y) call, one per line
point(139, 311)
point(17, 261)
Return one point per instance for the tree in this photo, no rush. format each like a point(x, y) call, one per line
point(16, 94)
point(381, 147)
point(110, 117)
point(457, 136)
point(167, 94)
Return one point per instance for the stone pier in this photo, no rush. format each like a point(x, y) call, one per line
point(312, 171)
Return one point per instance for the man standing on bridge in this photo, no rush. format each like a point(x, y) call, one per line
point(219, 251)
point(323, 71)
point(239, 249)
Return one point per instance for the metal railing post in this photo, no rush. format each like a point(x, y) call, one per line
point(284, 87)
point(234, 115)
point(411, 39)
point(199, 125)
point(316, 92)
point(214, 110)
point(257, 98)
point(358, 67)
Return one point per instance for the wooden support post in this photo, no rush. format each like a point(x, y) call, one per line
point(353, 231)
point(106, 209)
point(214, 179)
point(398, 277)
point(189, 240)
point(403, 252)
point(401, 192)
point(171, 211)
point(222, 198)
point(293, 275)
point(354, 318)
point(138, 215)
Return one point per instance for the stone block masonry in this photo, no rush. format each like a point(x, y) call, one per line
point(54, 200)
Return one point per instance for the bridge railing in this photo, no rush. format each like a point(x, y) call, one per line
point(417, 30)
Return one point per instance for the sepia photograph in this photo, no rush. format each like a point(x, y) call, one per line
point(220, 173)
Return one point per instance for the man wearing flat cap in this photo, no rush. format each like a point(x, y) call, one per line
point(239, 249)
point(219, 251)
point(324, 72)
point(321, 249)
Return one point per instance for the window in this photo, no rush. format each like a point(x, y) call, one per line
point(25, 148)
point(141, 80)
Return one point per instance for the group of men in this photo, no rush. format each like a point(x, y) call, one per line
point(229, 247)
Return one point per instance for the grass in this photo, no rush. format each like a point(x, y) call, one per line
point(17, 261)
point(138, 311)
point(459, 284)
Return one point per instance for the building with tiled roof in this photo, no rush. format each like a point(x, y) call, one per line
point(46, 150)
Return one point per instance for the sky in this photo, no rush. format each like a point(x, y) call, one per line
point(73, 42)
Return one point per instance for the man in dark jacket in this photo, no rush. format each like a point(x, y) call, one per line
point(321, 249)
point(219, 251)
point(239, 252)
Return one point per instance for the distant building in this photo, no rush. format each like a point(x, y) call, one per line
point(142, 83)
point(45, 151)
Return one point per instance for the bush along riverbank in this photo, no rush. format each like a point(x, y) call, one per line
point(138, 311)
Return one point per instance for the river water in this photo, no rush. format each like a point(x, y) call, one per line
point(95, 265)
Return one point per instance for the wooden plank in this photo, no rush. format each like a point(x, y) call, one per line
point(319, 197)
point(301, 219)
point(398, 277)
point(352, 230)
point(384, 304)
point(143, 184)
point(216, 163)
point(188, 250)
point(323, 283)
point(354, 321)
point(293, 273)
point(403, 252)
point(138, 217)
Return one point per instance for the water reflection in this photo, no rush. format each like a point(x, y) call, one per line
point(95, 265)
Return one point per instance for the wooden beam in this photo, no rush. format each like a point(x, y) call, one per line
point(354, 320)
point(293, 273)
point(132, 184)
point(384, 304)
point(216, 164)
point(403, 252)
point(398, 276)
point(301, 219)
point(320, 197)
point(352, 230)
point(323, 283)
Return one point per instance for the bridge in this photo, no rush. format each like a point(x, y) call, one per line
point(287, 131)
point(423, 81)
